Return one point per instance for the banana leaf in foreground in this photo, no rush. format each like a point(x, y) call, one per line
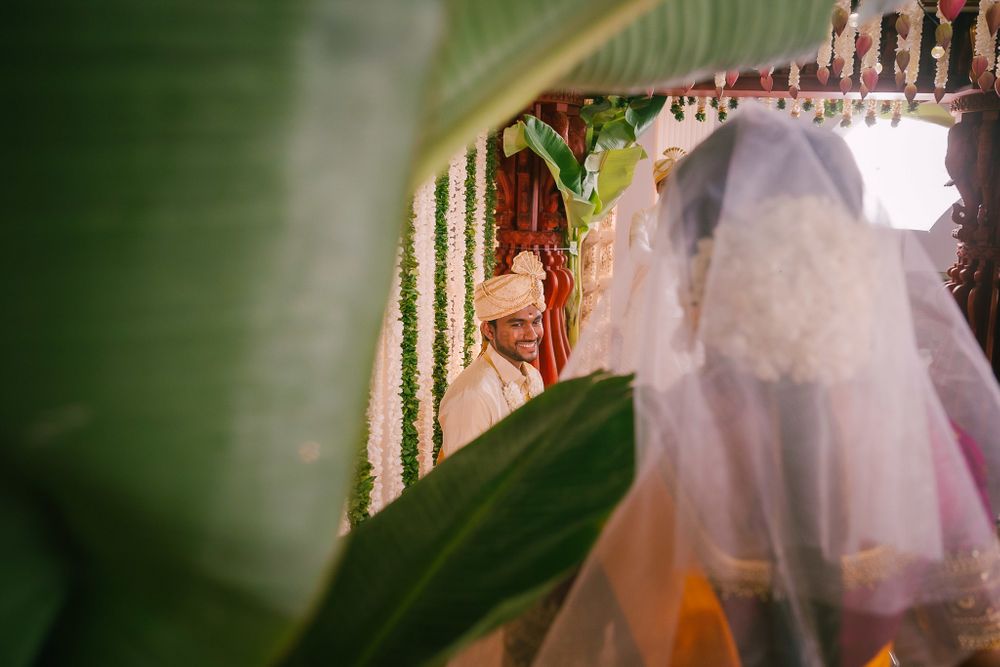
point(484, 535)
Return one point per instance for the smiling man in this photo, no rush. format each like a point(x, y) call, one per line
point(509, 308)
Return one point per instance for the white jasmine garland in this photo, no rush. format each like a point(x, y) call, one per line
point(916, 15)
point(985, 44)
point(825, 52)
point(874, 30)
point(456, 265)
point(482, 145)
point(844, 43)
point(423, 251)
point(376, 424)
point(393, 449)
point(793, 75)
point(941, 75)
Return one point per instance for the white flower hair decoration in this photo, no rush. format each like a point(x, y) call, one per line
point(789, 290)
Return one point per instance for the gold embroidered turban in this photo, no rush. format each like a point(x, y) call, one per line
point(666, 164)
point(504, 295)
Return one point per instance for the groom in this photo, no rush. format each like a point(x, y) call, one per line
point(509, 308)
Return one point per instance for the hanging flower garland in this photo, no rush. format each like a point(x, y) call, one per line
point(720, 83)
point(844, 25)
point(793, 80)
point(819, 117)
point(410, 375)
point(699, 115)
point(796, 110)
point(490, 205)
point(823, 56)
point(984, 49)
point(469, 261)
point(867, 46)
point(870, 111)
point(847, 115)
point(897, 113)
point(393, 469)
point(915, 19)
point(946, 13)
point(441, 343)
point(480, 222)
point(767, 77)
point(376, 425)
point(456, 261)
point(423, 250)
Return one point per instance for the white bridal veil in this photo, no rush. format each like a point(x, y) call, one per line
point(818, 433)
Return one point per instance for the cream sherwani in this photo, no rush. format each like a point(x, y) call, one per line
point(475, 400)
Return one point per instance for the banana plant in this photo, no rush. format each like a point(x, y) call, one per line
point(591, 188)
point(199, 236)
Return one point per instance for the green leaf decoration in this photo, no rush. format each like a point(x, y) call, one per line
point(643, 111)
point(499, 521)
point(501, 55)
point(201, 230)
point(616, 172)
point(615, 134)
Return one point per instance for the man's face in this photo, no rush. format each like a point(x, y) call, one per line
point(516, 336)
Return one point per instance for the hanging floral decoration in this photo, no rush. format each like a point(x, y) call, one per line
point(455, 281)
point(844, 25)
point(823, 56)
point(490, 206)
point(870, 111)
point(720, 83)
point(796, 110)
point(699, 115)
point(767, 77)
point(423, 250)
point(946, 13)
point(984, 49)
point(410, 440)
point(469, 260)
point(897, 113)
point(915, 20)
point(868, 46)
point(818, 116)
point(793, 80)
point(847, 115)
point(441, 346)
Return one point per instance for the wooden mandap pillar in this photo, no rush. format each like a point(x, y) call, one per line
point(530, 216)
point(973, 162)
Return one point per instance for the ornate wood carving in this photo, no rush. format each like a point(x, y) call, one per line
point(530, 216)
point(972, 162)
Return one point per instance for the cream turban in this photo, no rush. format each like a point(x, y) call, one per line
point(666, 164)
point(504, 295)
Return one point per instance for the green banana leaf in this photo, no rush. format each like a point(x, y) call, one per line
point(642, 111)
point(500, 521)
point(198, 232)
point(615, 172)
point(500, 55)
point(202, 203)
point(540, 138)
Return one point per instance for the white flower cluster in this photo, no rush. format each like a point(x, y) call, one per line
point(986, 44)
point(874, 30)
point(825, 51)
point(793, 75)
point(789, 291)
point(456, 262)
point(843, 44)
point(423, 252)
point(915, 12)
point(478, 270)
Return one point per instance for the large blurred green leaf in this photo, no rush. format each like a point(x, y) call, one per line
point(496, 522)
point(500, 55)
point(201, 201)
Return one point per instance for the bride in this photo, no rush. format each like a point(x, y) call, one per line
point(818, 434)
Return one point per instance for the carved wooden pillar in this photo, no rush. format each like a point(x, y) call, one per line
point(530, 216)
point(973, 161)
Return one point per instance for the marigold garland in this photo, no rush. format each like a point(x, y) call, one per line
point(410, 375)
